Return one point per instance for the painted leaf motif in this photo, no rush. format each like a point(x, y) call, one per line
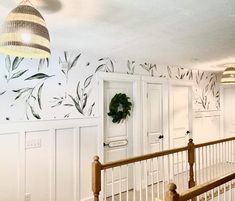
point(66, 56)
point(74, 62)
point(48, 62)
point(169, 71)
point(34, 113)
point(191, 75)
point(112, 66)
point(8, 63)
point(67, 115)
point(76, 105)
point(57, 104)
point(87, 81)
point(3, 92)
point(206, 88)
point(78, 91)
point(21, 92)
point(18, 74)
point(41, 64)
point(16, 62)
point(68, 105)
point(27, 116)
point(38, 76)
point(84, 101)
point(100, 67)
point(128, 65)
point(178, 71)
point(91, 109)
point(201, 76)
point(39, 95)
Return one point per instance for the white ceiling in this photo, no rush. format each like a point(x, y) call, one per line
point(190, 33)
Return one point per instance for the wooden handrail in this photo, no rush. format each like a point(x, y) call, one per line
point(141, 158)
point(193, 192)
point(117, 163)
point(214, 142)
point(97, 167)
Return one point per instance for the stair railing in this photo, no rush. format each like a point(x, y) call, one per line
point(208, 190)
point(147, 176)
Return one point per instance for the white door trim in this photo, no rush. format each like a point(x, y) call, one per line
point(165, 126)
point(101, 77)
point(187, 84)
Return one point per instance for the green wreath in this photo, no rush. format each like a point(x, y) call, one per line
point(119, 107)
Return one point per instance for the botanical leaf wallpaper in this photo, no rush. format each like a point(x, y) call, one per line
point(64, 86)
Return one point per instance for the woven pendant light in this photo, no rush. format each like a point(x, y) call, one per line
point(24, 33)
point(228, 76)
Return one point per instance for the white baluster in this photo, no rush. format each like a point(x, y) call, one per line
point(127, 183)
point(163, 173)
point(140, 181)
point(182, 169)
point(112, 184)
point(177, 170)
point(158, 179)
point(134, 181)
point(105, 186)
point(146, 179)
point(120, 183)
point(152, 178)
point(199, 166)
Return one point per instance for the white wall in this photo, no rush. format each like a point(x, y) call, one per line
point(57, 167)
point(47, 160)
point(228, 117)
point(206, 126)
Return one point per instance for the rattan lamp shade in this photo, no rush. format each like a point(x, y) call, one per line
point(24, 34)
point(228, 76)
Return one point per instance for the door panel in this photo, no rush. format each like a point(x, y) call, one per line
point(180, 99)
point(180, 121)
point(229, 111)
point(117, 138)
point(154, 128)
point(154, 117)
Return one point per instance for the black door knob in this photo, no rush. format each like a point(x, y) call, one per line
point(106, 144)
point(160, 137)
point(187, 132)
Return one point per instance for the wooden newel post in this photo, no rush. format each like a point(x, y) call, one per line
point(96, 178)
point(171, 194)
point(191, 161)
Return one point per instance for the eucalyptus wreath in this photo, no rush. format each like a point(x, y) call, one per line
point(119, 107)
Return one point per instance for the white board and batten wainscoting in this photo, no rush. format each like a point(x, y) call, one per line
point(51, 160)
point(47, 160)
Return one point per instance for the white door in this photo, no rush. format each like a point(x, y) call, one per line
point(153, 127)
point(154, 118)
point(117, 137)
point(180, 98)
point(229, 111)
point(180, 115)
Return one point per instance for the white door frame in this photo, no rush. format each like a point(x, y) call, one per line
point(101, 77)
point(165, 126)
point(186, 84)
